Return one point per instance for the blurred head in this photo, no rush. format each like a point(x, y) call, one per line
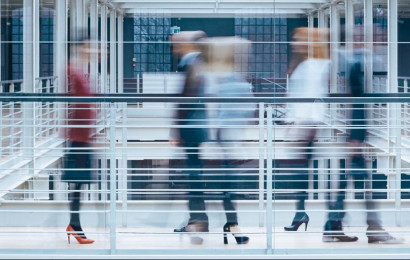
point(186, 42)
point(225, 54)
point(81, 44)
point(317, 39)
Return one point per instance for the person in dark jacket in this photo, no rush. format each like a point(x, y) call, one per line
point(191, 133)
point(358, 170)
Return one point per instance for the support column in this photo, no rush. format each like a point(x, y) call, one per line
point(124, 160)
point(395, 109)
point(61, 47)
point(368, 38)
point(79, 16)
point(322, 178)
point(120, 54)
point(349, 31)
point(113, 49)
point(94, 44)
point(334, 47)
point(73, 20)
point(321, 18)
point(334, 176)
point(30, 70)
point(103, 49)
point(311, 25)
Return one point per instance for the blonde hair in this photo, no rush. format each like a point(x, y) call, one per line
point(225, 54)
point(305, 38)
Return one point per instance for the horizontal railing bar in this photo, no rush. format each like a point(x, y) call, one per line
point(133, 98)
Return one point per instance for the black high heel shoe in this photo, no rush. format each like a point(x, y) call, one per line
point(233, 229)
point(297, 222)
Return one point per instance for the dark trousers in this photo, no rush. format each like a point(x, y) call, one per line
point(337, 207)
point(196, 201)
point(75, 197)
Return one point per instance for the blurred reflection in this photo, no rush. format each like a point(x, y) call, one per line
point(191, 131)
point(77, 162)
point(309, 78)
point(358, 168)
point(221, 80)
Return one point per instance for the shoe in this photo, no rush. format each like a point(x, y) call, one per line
point(379, 236)
point(385, 239)
point(333, 232)
point(297, 222)
point(79, 236)
point(234, 230)
point(332, 237)
point(194, 226)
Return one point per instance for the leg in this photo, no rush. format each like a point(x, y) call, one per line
point(196, 200)
point(230, 211)
point(75, 198)
point(333, 229)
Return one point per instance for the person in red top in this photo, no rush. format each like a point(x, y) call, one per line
point(81, 119)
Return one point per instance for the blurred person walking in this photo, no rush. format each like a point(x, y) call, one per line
point(221, 55)
point(333, 229)
point(81, 118)
point(309, 78)
point(191, 133)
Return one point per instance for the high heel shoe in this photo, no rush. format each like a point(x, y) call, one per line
point(81, 239)
point(234, 230)
point(297, 222)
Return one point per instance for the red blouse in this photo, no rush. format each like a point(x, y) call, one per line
point(79, 114)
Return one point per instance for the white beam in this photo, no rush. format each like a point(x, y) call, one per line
point(212, 12)
point(221, 5)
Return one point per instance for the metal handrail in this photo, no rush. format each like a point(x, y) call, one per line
point(133, 98)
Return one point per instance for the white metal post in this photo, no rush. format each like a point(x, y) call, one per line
point(322, 178)
point(29, 75)
point(120, 54)
point(61, 45)
point(395, 109)
point(113, 56)
point(311, 26)
point(79, 16)
point(261, 162)
point(94, 45)
point(368, 38)
point(124, 164)
point(334, 46)
point(113, 181)
point(269, 172)
point(103, 49)
point(349, 27)
point(321, 18)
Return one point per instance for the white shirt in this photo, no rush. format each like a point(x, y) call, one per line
point(309, 80)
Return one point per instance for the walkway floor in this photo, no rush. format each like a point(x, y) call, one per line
point(158, 238)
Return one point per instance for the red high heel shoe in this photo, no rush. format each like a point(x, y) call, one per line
point(81, 240)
